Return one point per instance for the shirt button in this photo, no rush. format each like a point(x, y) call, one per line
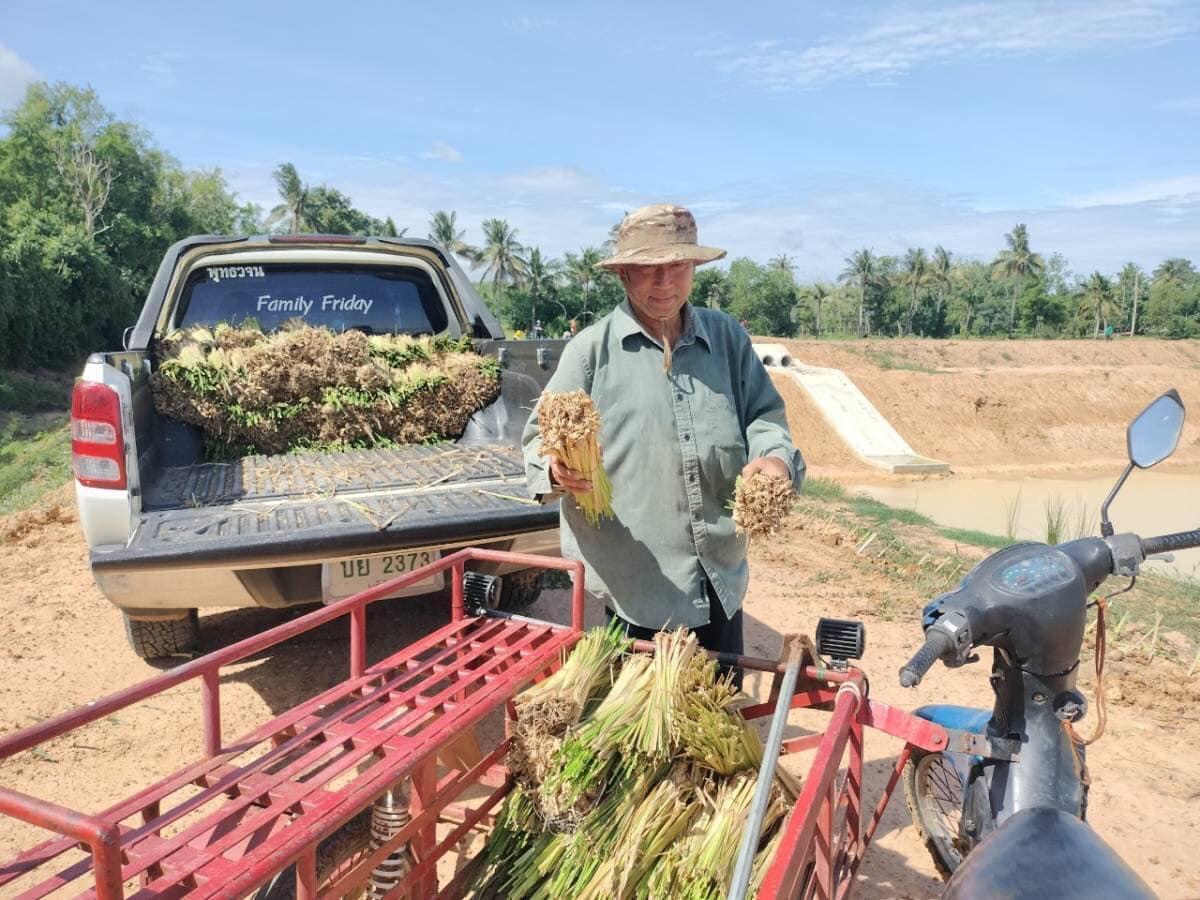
point(692, 478)
point(679, 396)
point(687, 437)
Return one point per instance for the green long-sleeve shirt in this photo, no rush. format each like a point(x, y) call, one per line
point(673, 446)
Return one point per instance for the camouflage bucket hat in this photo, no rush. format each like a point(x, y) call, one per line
point(658, 234)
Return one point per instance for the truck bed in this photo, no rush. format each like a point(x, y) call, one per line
point(305, 504)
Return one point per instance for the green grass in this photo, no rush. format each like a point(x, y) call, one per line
point(882, 514)
point(975, 538)
point(823, 489)
point(886, 359)
point(31, 465)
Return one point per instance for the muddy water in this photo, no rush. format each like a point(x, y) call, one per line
point(1150, 503)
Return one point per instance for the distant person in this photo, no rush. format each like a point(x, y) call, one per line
point(572, 329)
point(538, 331)
point(1108, 332)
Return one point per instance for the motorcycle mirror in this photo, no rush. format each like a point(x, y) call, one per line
point(1154, 434)
point(1150, 438)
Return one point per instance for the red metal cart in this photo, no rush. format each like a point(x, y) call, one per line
point(252, 807)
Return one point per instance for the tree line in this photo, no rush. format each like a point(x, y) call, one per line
point(88, 205)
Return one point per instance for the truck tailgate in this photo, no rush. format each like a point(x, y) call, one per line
point(303, 505)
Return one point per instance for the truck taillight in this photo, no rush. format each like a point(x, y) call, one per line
point(97, 441)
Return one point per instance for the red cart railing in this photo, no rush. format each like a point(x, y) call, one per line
point(267, 801)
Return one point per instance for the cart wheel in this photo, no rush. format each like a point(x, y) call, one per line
point(520, 589)
point(165, 637)
point(933, 790)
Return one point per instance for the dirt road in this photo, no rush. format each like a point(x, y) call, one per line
point(63, 645)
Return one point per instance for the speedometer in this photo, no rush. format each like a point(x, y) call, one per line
point(1036, 574)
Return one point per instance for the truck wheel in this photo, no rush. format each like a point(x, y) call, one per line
point(520, 589)
point(164, 637)
point(934, 791)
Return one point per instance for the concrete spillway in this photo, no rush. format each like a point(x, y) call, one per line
point(851, 414)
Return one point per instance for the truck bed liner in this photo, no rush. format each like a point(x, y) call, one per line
point(304, 505)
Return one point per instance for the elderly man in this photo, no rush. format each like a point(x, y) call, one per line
point(685, 407)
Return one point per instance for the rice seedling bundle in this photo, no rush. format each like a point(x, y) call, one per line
point(570, 429)
point(305, 388)
point(650, 790)
point(761, 503)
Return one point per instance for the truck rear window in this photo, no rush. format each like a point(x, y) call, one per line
point(373, 299)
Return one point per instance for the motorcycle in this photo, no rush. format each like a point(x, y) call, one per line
point(1009, 817)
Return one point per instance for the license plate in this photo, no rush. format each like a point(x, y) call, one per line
point(344, 577)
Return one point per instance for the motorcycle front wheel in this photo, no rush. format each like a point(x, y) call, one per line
point(933, 790)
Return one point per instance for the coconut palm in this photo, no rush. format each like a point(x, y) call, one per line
point(293, 210)
point(916, 270)
point(861, 266)
point(443, 228)
point(581, 268)
point(1017, 262)
point(940, 267)
point(502, 256)
point(818, 293)
point(539, 279)
point(1098, 300)
point(783, 263)
point(1175, 269)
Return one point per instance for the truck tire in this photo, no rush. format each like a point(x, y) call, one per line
point(161, 638)
point(520, 589)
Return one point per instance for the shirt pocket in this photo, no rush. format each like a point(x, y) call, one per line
point(722, 444)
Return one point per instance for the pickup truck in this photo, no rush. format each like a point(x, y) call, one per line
point(170, 532)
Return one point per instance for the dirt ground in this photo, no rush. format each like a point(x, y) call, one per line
point(64, 646)
point(995, 407)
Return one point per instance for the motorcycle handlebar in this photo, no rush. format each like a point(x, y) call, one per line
point(937, 644)
point(1165, 543)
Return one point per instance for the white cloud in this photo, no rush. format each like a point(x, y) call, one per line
point(530, 24)
point(819, 221)
point(1181, 188)
point(906, 37)
point(442, 152)
point(159, 66)
point(15, 75)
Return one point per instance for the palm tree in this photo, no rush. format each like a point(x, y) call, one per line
point(294, 194)
point(501, 256)
point(1017, 262)
point(783, 263)
point(1175, 269)
point(819, 293)
point(916, 266)
point(861, 266)
point(940, 268)
point(1097, 299)
point(539, 278)
point(581, 268)
point(443, 228)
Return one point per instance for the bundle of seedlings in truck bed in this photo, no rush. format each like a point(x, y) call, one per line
point(761, 503)
point(311, 388)
point(649, 792)
point(570, 430)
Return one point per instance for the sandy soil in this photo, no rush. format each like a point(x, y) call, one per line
point(64, 645)
point(1027, 407)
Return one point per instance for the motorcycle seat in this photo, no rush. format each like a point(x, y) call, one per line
point(1041, 853)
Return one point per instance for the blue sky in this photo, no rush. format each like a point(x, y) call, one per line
point(805, 128)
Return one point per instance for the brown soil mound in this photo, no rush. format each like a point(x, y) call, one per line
point(1019, 406)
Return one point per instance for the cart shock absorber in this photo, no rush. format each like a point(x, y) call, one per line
point(388, 815)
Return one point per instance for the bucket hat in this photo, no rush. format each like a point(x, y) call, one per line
point(658, 234)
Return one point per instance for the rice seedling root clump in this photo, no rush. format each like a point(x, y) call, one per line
point(305, 388)
point(761, 503)
point(569, 427)
point(647, 784)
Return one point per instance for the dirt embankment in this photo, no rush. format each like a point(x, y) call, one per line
point(991, 407)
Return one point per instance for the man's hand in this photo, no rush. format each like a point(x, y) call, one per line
point(768, 465)
point(569, 478)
